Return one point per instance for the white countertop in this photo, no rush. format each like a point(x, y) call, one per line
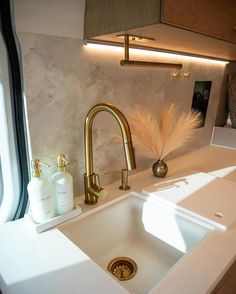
point(50, 263)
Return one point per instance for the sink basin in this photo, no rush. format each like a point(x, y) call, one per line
point(138, 228)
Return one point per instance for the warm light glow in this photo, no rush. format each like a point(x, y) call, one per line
point(223, 172)
point(104, 47)
point(152, 53)
point(164, 223)
point(177, 190)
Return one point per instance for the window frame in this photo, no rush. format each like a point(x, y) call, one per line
point(21, 162)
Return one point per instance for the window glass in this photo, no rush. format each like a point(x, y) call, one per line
point(14, 174)
point(1, 183)
point(10, 177)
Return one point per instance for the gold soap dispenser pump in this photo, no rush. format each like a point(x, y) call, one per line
point(61, 162)
point(62, 183)
point(40, 194)
point(36, 167)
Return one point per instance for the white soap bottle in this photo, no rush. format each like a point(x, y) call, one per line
point(40, 194)
point(62, 183)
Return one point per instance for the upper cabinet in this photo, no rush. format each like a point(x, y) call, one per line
point(109, 16)
point(202, 27)
point(214, 18)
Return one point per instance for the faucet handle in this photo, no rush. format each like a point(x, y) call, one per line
point(97, 181)
point(100, 193)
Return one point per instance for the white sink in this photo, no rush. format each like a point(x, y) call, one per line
point(138, 228)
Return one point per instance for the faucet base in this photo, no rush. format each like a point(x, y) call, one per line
point(86, 201)
point(88, 182)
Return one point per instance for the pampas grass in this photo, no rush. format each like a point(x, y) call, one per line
point(159, 137)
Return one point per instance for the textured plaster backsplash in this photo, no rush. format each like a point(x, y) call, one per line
point(63, 79)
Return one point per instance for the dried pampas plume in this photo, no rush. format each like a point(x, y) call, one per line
point(159, 137)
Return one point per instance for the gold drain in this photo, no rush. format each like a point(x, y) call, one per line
point(123, 268)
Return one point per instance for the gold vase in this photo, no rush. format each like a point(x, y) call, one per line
point(159, 169)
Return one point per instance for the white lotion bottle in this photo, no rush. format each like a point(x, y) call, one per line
point(40, 194)
point(62, 183)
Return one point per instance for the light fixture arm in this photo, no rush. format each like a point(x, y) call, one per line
point(128, 62)
point(126, 47)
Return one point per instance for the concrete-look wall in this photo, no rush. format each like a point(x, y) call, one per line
point(50, 17)
point(63, 79)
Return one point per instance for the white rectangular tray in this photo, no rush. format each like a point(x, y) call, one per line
point(53, 221)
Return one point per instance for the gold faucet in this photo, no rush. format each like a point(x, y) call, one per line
point(92, 188)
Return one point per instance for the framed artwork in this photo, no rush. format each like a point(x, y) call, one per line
point(201, 95)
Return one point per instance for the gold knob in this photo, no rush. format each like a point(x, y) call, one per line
point(186, 75)
point(175, 74)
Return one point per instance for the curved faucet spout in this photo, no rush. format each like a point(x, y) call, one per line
point(127, 143)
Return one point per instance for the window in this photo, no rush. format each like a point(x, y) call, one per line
point(14, 174)
point(1, 183)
